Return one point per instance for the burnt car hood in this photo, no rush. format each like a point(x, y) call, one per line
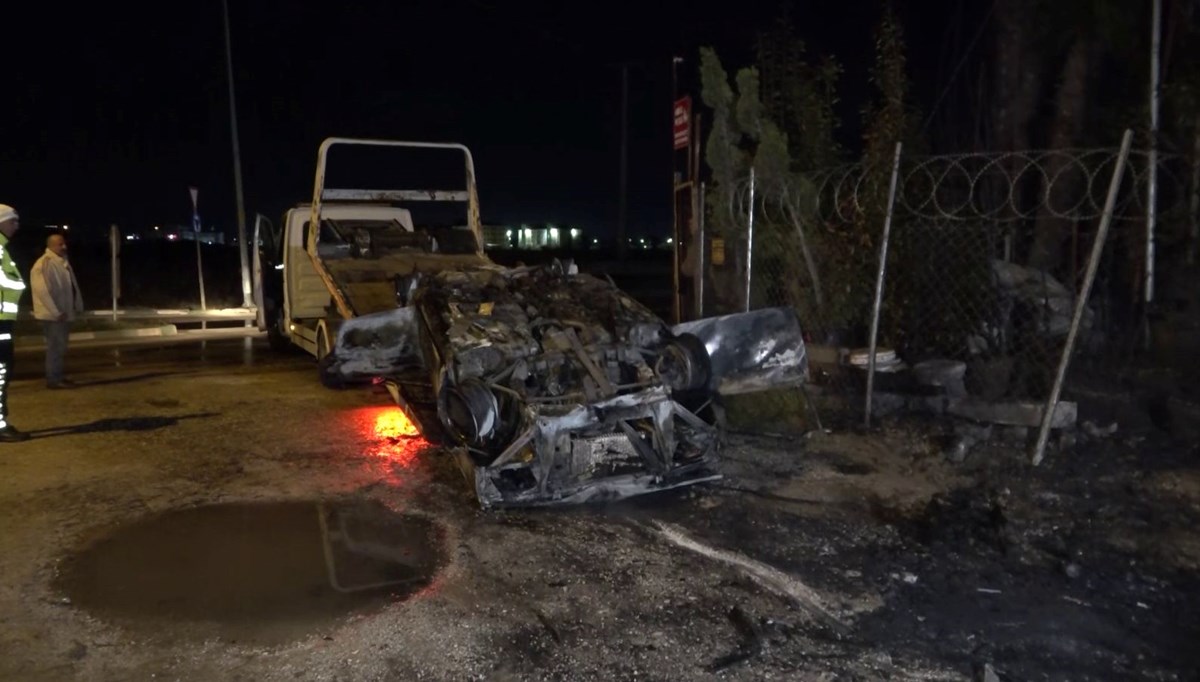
point(555, 387)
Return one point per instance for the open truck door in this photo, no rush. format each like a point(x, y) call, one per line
point(257, 272)
point(267, 280)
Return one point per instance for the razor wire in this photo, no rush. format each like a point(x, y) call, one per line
point(997, 187)
point(957, 288)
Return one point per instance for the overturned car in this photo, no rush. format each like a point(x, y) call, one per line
point(556, 387)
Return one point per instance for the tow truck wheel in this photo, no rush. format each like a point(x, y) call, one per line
point(329, 378)
point(277, 337)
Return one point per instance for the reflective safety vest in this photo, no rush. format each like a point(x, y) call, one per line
point(12, 285)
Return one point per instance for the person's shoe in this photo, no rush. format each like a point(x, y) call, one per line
point(10, 434)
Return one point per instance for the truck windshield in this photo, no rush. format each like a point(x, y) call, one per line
point(379, 237)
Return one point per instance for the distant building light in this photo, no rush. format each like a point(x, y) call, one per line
point(508, 234)
point(66, 227)
point(130, 237)
point(670, 240)
point(574, 233)
point(554, 233)
point(156, 227)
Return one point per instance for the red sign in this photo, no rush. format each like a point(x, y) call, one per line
point(683, 122)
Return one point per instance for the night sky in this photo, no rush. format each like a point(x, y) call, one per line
point(110, 116)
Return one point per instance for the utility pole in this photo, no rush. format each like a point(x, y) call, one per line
point(674, 150)
point(237, 166)
point(676, 185)
point(623, 201)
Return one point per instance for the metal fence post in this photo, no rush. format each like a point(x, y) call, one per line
point(1152, 170)
point(1152, 174)
point(750, 241)
point(1081, 301)
point(883, 251)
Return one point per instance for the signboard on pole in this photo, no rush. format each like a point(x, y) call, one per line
point(199, 263)
point(683, 122)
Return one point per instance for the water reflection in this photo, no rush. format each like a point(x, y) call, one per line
point(265, 572)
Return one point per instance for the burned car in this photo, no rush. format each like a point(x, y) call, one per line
point(556, 387)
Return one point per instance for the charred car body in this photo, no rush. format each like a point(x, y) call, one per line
point(552, 386)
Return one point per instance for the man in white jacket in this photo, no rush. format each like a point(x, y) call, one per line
point(56, 300)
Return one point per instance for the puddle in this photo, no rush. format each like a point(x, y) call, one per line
point(260, 573)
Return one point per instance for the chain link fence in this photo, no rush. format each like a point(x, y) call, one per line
point(986, 255)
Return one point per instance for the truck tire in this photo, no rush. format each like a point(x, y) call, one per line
point(329, 378)
point(277, 338)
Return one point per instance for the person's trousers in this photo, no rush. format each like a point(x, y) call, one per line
point(57, 332)
point(6, 363)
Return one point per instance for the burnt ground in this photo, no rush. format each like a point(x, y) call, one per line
point(1085, 569)
point(851, 555)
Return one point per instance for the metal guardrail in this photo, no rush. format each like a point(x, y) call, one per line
point(174, 315)
point(213, 324)
point(168, 315)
